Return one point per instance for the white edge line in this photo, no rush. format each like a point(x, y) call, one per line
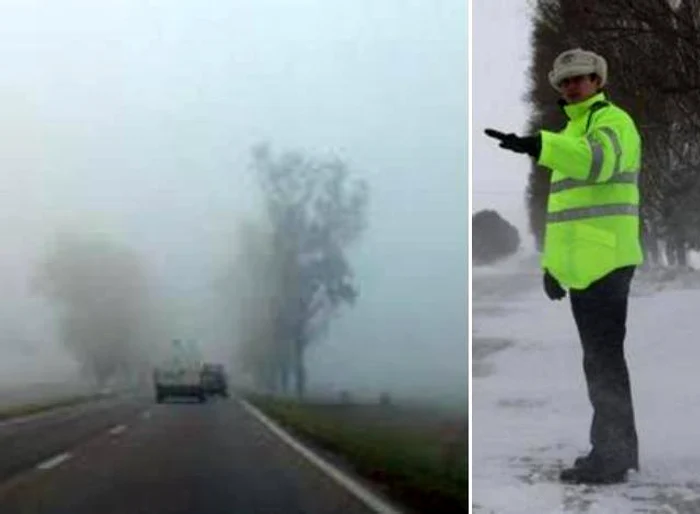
point(118, 429)
point(368, 498)
point(54, 461)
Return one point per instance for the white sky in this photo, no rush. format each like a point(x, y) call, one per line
point(501, 56)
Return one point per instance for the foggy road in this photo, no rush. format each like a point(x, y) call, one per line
point(135, 456)
point(167, 168)
point(25, 442)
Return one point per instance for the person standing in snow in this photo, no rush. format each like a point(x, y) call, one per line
point(592, 247)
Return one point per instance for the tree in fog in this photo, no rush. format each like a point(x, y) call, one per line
point(493, 238)
point(654, 59)
point(251, 290)
point(316, 209)
point(100, 293)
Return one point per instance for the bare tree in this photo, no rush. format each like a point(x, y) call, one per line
point(316, 209)
point(252, 291)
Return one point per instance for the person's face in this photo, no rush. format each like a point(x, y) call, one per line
point(579, 88)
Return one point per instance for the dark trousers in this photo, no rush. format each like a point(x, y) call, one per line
point(600, 312)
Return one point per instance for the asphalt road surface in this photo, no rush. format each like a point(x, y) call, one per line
point(132, 456)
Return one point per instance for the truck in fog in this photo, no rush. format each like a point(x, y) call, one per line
point(179, 376)
point(214, 379)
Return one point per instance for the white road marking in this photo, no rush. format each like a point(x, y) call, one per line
point(370, 499)
point(117, 429)
point(146, 414)
point(54, 461)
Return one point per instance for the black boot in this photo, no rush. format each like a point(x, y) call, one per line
point(594, 477)
point(585, 460)
point(590, 470)
point(582, 461)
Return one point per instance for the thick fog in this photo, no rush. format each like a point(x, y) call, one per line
point(132, 122)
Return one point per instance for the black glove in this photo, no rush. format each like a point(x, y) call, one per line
point(531, 145)
point(552, 287)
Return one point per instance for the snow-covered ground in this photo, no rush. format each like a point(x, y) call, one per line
point(530, 410)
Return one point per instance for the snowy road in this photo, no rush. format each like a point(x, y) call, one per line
point(530, 410)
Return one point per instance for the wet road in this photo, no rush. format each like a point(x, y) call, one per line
point(133, 456)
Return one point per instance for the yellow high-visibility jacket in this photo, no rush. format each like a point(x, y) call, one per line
point(593, 207)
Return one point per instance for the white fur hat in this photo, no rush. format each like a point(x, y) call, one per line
point(577, 62)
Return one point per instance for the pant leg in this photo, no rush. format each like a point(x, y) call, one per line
point(600, 312)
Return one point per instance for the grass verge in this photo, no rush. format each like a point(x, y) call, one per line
point(419, 464)
point(28, 409)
